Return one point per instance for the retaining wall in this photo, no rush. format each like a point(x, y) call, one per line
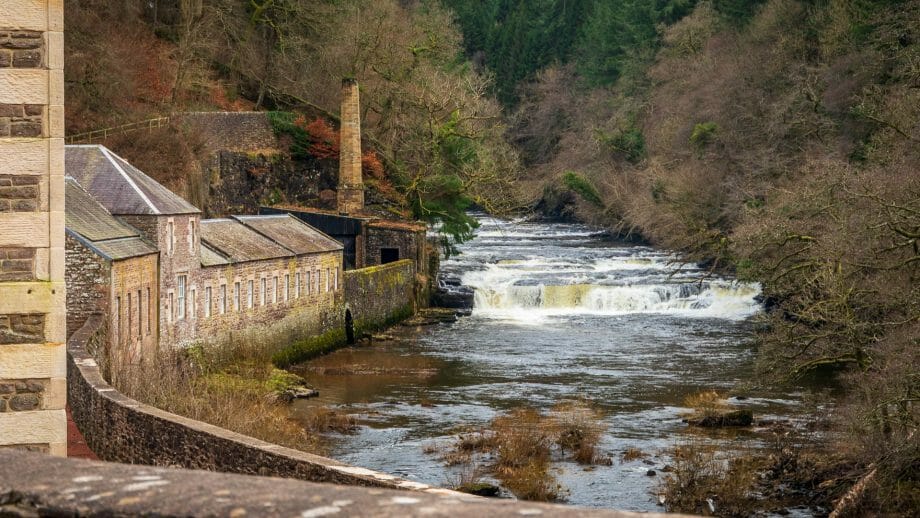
point(120, 429)
point(380, 295)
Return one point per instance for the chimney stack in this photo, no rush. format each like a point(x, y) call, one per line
point(350, 194)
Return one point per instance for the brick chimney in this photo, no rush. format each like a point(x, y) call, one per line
point(350, 193)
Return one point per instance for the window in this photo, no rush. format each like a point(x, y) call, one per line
point(180, 306)
point(249, 294)
point(192, 303)
point(307, 281)
point(236, 296)
point(222, 303)
point(389, 255)
point(191, 235)
point(117, 319)
point(170, 237)
point(262, 290)
point(335, 282)
point(287, 286)
point(297, 285)
point(317, 276)
point(207, 301)
point(327, 279)
point(275, 289)
point(149, 311)
point(130, 319)
point(140, 316)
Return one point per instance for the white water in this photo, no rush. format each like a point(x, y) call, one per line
point(597, 281)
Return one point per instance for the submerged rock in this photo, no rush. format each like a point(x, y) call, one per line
point(290, 394)
point(724, 419)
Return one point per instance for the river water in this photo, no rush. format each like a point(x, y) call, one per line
point(560, 313)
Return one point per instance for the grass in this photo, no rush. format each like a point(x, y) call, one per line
point(524, 442)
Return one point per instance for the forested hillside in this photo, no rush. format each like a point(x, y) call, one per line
point(778, 139)
point(428, 115)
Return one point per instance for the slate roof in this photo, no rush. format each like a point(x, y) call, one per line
point(88, 221)
point(239, 243)
point(211, 257)
point(120, 187)
point(291, 233)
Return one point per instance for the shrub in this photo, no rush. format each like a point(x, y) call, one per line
point(628, 143)
point(581, 185)
point(703, 134)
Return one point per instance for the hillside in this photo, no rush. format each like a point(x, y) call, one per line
point(777, 139)
point(427, 115)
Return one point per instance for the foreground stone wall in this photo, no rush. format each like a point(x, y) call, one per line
point(378, 295)
point(32, 291)
point(37, 485)
point(120, 429)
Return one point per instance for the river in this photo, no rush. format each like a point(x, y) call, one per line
point(561, 312)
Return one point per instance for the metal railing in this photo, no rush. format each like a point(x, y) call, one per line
point(102, 134)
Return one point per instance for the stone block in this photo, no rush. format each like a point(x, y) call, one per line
point(24, 206)
point(4, 127)
point(2, 405)
point(27, 179)
point(6, 59)
point(19, 192)
point(7, 387)
point(25, 402)
point(11, 110)
point(26, 129)
point(27, 59)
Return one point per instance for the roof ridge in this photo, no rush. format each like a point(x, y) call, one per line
point(108, 154)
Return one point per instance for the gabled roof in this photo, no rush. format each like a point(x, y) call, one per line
point(291, 233)
point(120, 187)
point(211, 257)
point(239, 243)
point(89, 222)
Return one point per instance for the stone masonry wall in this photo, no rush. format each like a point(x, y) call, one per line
point(376, 295)
point(120, 429)
point(313, 300)
point(32, 287)
point(88, 284)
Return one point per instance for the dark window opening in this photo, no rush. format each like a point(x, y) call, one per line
point(389, 255)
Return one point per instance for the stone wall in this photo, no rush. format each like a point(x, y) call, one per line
point(313, 304)
point(35, 485)
point(88, 284)
point(378, 295)
point(32, 289)
point(120, 429)
point(229, 131)
point(134, 329)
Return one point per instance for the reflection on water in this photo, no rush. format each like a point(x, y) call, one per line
point(560, 314)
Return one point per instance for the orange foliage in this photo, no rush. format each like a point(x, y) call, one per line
point(370, 165)
point(324, 138)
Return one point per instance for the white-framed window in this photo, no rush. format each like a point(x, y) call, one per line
point(335, 283)
point(170, 236)
point(263, 289)
point(249, 294)
point(192, 303)
point(327, 279)
point(149, 311)
point(130, 318)
point(222, 302)
point(180, 299)
point(287, 287)
point(236, 296)
point(297, 285)
point(274, 289)
point(207, 301)
point(307, 281)
point(117, 320)
point(140, 315)
point(191, 235)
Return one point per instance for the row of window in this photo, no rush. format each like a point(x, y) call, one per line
point(171, 237)
point(291, 286)
point(137, 317)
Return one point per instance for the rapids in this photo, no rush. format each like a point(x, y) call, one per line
point(560, 313)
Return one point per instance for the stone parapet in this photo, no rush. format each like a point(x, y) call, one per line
point(32, 485)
